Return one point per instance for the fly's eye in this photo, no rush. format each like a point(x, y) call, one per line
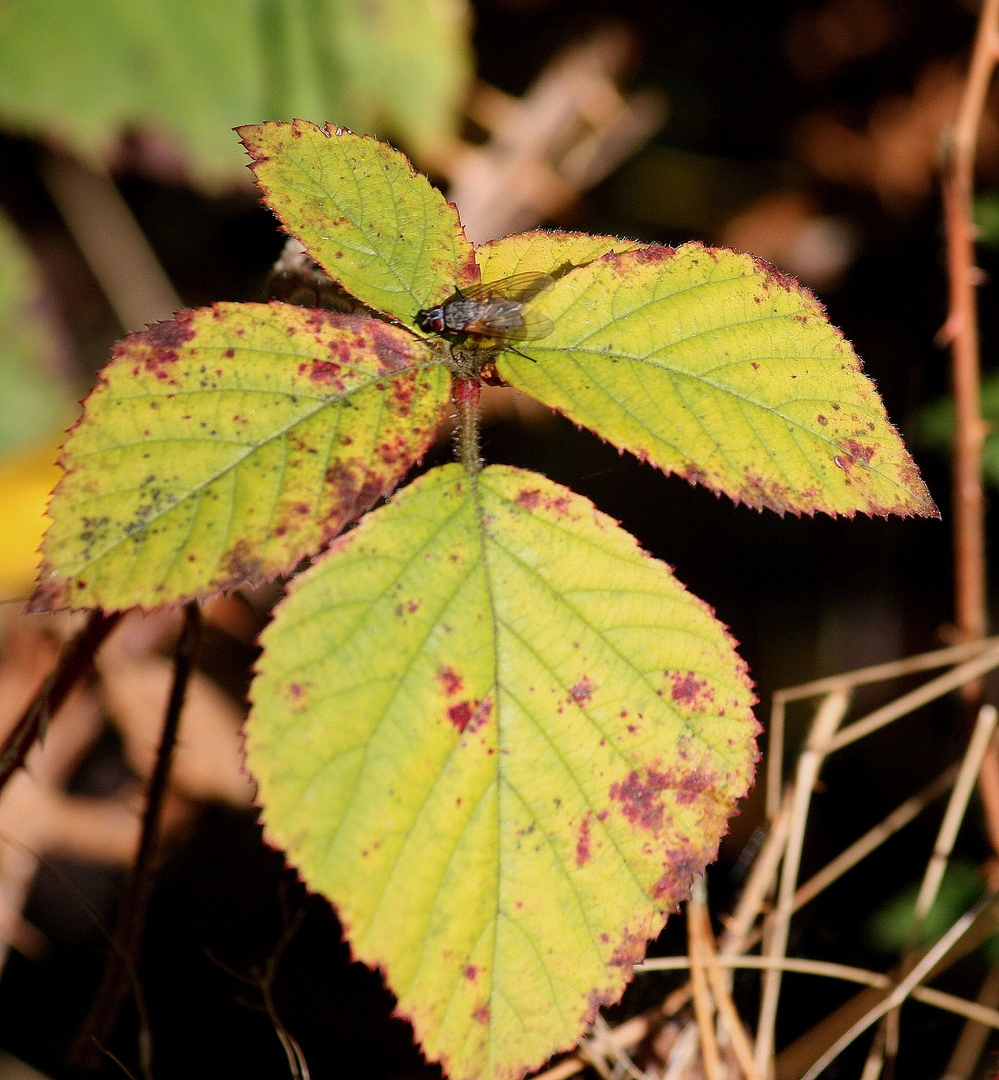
point(432, 320)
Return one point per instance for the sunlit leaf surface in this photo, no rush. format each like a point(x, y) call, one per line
point(227, 445)
point(364, 214)
point(714, 365)
point(501, 739)
point(545, 252)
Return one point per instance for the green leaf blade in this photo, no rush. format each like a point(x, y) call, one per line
point(357, 205)
point(501, 739)
point(547, 252)
point(228, 444)
point(714, 365)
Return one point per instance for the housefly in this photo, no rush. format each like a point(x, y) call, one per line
point(494, 310)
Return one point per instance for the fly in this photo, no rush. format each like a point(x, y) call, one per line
point(494, 310)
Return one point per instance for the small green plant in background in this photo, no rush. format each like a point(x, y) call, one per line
point(485, 724)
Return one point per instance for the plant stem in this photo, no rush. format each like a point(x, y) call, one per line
point(76, 660)
point(466, 398)
point(961, 328)
point(121, 963)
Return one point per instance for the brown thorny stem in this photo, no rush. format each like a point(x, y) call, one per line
point(75, 662)
point(121, 962)
point(961, 330)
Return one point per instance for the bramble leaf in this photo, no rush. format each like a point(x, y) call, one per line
point(228, 444)
point(363, 213)
point(501, 739)
point(545, 252)
point(714, 365)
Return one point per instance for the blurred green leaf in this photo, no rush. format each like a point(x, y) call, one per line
point(192, 71)
point(33, 403)
point(934, 427)
point(987, 218)
point(888, 929)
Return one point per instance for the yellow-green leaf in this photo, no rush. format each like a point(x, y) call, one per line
point(226, 445)
point(363, 213)
point(714, 365)
point(501, 739)
point(82, 73)
point(545, 252)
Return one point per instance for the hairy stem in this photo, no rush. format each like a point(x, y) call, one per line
point(466, 397)
point(121, 962)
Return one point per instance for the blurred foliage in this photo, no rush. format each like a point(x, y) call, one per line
point(987, 218)
point(934, 427)
point(35, 403)
point(888, 928)
point(669, 188)
point(32, 402)
point(181, 73)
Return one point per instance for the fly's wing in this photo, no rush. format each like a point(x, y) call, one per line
point(506, 319)
point(517, 287)
point(501, 311)
point(530, 325)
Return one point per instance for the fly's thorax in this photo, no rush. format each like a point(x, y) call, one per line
point(458, 315)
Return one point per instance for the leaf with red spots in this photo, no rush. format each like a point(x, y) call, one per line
point(714, 365)
point(226, 445)
point(363, 213)
point(502, 740)
point(545, 252)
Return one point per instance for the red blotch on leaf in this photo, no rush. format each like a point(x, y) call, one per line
point(680, 868)
point(582, 691)
point(583, 840)
point(460, 714)
point(157, 346)
point(449, 681)
point(532, 498)
point(776, 277)
point(323, 372)
point(630, 950)
point(243, 563)
point(691, 692)
point(469, 717)
point(169, 335)
point(640, 799)
point(481, 1014)
point(858, 452)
